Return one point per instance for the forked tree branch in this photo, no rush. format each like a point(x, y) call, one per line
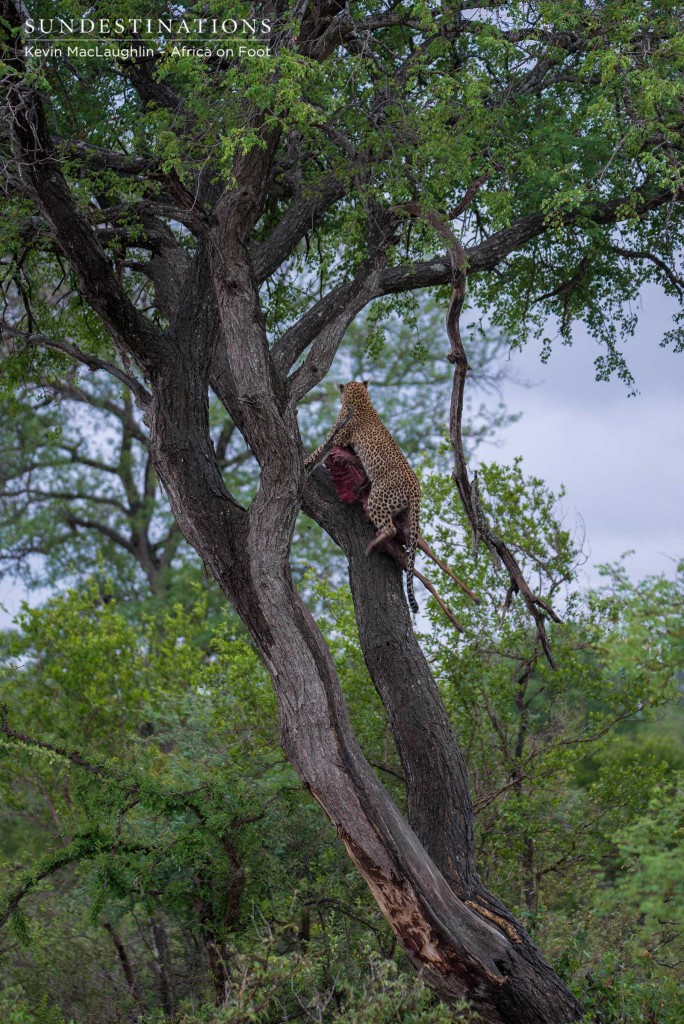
point(78, 355)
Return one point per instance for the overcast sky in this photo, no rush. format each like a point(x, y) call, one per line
point(620, 458)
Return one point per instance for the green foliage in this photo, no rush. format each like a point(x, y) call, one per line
point(565, 107)
point(652, 877)
point(573, 773)
point(97, 501)
point(143, 789)
point(145, 796)
point(271, 985)
point(578, 811)
point(16, 1010)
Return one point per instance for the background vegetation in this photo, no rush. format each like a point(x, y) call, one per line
point(160, 861)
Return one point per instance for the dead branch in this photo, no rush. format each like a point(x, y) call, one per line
point(445, 608)
point(427, 550)
point(468, 489)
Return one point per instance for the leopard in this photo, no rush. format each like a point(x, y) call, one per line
point(394, 485)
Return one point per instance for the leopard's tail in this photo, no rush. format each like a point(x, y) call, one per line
point(414, 530)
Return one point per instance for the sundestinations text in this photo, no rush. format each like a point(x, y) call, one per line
point(173, 26)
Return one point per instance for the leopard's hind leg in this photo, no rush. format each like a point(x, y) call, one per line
point(381, 507)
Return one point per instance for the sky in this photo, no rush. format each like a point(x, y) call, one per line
point(620, 458)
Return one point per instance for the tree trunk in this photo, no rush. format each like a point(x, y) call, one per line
point(463, 943)
point(162, 962)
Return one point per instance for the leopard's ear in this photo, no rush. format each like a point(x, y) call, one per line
point(340, 388)
point(365, 384)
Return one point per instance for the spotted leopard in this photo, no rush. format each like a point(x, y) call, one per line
point(394, 485)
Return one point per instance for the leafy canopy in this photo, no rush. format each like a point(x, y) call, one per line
point(571, 111)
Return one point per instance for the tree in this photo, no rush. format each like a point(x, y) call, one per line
point(563, 762)
point(55, 496)
point(163, 251)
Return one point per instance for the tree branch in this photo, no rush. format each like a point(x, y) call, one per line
point(104, 529)
point(74, 851)
point(642, 254)
point(130, 330)
point(72, 393)
point(487, 255)
point(302, 215)
point(328, 340)
point(100, 159)
point(65, 496)
point(78, 355)
point(84, 460)
point(468, 490)
point(74, 756)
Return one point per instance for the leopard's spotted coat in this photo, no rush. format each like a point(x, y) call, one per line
point(394, 485)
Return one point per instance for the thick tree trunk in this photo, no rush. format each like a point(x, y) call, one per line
point(459, 949)
point(438, 797)
point(462, 943)
point(439, 805)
